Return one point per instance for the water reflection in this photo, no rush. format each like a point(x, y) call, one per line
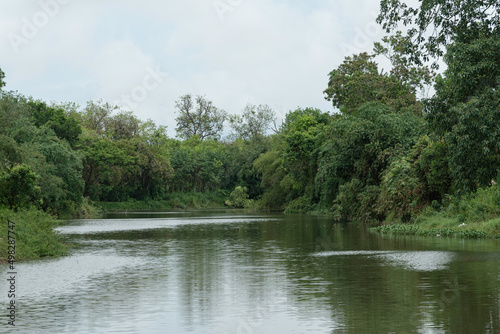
point(223, 273)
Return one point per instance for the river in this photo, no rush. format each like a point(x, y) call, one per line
point(229, 272)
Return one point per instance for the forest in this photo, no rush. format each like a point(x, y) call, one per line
point(387, 155)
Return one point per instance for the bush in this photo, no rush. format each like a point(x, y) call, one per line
point(34, 234)
point(302, 204)
point(239, 198)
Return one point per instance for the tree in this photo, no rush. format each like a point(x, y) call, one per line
point(203, 119)
point(302, 136)
point(2, 79)
point(355, 151)
point(254, 121)
point(124, 125)
point(448, 21)
point(18, 186)
point(357, 81)
point(96, 115)
point(465, 111)
point(415, 77)
point(65, 126)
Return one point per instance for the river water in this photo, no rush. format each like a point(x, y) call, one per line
point(225, 272)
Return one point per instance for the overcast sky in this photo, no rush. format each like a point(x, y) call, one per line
point(143, 55)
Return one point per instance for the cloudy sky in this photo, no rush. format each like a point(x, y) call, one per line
point(143, 55)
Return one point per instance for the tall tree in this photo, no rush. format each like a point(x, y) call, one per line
point(466, 110)
point(254, 121)
point(198, 118)
point(357, 81)
point(437, 23)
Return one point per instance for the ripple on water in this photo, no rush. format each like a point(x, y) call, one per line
point(412, 260)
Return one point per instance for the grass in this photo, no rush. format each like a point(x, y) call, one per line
point(34, 235)
point(474, 216)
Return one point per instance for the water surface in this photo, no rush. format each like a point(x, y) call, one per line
point(223, 272)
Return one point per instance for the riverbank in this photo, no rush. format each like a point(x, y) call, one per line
point(437, 225)
point(206, 200)
point(28, 234)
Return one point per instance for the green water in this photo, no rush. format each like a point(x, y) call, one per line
point(224, 272)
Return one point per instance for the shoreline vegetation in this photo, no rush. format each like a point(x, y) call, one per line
point(387, 155)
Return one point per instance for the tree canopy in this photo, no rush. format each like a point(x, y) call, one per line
point(198, 118)
point(437, 23)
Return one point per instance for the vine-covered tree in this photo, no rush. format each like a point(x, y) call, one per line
point(198, 118)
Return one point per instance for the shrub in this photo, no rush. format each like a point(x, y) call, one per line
point(239, 198)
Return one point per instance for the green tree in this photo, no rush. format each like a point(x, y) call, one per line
point(415, 77)
point(198, 118)
point(2, 79)
point(59, 167)
point(465, 111)
point(276, 182)
point(437, 23)
point(238, 198)
point(355, 152)
point(96, 116)
point(254, 121)
point(357, 81)
point(302, 134)
point(65, 126)
point(18, 186)
point(124, 125)
point(239, 168)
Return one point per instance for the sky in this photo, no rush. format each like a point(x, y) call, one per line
point(144, 55)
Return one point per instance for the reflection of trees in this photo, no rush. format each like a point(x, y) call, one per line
point(252, 269)
point(379, 297)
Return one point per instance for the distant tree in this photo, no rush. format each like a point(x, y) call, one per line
point(2, 79)
point(124, 125)
point(65, 126)
point(254, 121)
point(96, 115)
point(198, 118)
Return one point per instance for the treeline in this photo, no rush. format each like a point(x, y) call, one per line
point(385, 155)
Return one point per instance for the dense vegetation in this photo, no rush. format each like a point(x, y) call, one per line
point(385, 156)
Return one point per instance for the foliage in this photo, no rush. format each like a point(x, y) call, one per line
point(406, 229)
point(302, 134)
point(303, 204)
point(430, 163)
point(203, 120)
point(2, 79)
point(411, 75)
point(35, 235)
point(276, 182)
point(437, 23)
point(18, 186)
point(65, 126)
point(197, 165)
point(239, 168)
point(239, 198)
point(361, 146)
point(466, 109)
point(357, 81)
point(253, 122)
point(174, 200)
